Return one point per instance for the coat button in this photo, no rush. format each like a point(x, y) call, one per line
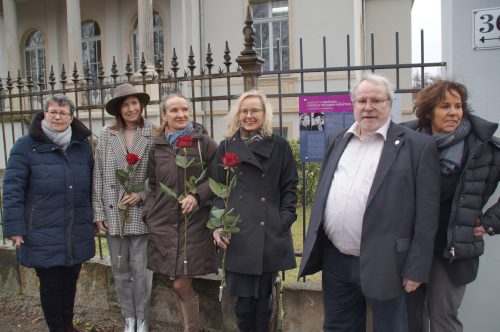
point(70, 187)
point(262, 223)
point(240, 197)
point(240, 173)
point(263, 199)
point(263, 175)
point(111, 206)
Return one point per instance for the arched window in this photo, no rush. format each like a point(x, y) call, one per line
point(91, 46)
point(34, 56)
point(157, 40)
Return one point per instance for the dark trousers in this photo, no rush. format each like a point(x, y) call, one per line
point(345, 304)
point(57, 294)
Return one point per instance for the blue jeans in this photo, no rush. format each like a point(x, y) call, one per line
point(345, 304)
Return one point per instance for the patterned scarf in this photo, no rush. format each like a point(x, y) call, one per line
point(250, 140)
point(61, 139)
point(173, 136)
point(451, 147)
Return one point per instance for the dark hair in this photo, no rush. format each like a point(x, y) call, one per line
point(60, 100)
point(431, 95)
point(120, 123)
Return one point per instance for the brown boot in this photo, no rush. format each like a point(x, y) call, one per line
point(191, 314)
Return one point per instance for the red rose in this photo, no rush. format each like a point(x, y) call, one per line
point(231, 160)
point(184, 142)
point(132, 158)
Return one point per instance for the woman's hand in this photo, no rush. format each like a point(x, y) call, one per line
point(219, 240)
point(131, 199)
point(188, 204)
point(102, 227)
point(17, 240)
point(479, 229)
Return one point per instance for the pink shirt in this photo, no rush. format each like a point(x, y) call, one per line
point(351, 184)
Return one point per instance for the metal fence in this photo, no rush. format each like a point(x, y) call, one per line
point(208, 88)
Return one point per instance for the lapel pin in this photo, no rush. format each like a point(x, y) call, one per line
point(396, 142)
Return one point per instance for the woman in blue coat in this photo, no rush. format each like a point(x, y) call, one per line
point(47, 205)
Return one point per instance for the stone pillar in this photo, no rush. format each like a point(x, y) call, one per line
point(11, 36)
point(145, 31)
point(74, 23)
point(248, 60)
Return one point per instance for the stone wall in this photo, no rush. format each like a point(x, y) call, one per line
point(299, 308)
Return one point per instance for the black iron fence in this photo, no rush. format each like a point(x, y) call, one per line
point(210, 89)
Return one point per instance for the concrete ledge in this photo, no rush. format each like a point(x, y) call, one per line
point(302, 306)
point(95, 290)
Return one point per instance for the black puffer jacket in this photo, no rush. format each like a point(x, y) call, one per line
point(478, 181)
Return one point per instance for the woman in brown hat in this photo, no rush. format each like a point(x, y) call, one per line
point(118, 204)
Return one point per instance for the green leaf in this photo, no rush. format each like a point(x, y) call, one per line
point(201, 177)
point(217, 212)
point(137, 187)
point(189, 163)
point(181, 161)
point(218, 189)
point(121, 176)
point(167, 190)
point(233, 229)
point(213, 223)
point(191, 185)
point(232, 184)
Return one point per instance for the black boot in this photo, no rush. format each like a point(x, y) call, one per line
point(262, 319)
point(245, 321)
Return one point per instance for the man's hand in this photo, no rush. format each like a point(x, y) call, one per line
point(410, 285)
point(188, 204)
point(17, 240)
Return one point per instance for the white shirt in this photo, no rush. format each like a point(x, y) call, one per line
point(351, 184)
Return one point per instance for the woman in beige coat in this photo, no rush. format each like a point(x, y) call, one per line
point(127, 240)
point(165, 215)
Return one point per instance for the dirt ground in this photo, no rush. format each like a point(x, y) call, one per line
point(19, 313)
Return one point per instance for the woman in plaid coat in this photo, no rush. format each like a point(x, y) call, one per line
point(125, 146)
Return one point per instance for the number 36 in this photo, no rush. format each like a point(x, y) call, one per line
point(488, 18)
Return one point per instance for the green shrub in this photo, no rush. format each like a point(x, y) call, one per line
point(311, 174)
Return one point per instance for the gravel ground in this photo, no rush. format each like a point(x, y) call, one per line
point(19, 313)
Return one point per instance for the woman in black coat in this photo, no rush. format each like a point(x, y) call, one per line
point(265, 198)
point(470, 171)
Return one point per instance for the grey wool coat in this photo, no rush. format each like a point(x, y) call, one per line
point(110, 156)
point(265, 198)
point(164, 218)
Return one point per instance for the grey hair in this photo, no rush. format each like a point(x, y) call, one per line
point(376, 79)
point(163, 104)
point(60, 100)
point(233, 117)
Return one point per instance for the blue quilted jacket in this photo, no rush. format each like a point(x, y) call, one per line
point(47, 198)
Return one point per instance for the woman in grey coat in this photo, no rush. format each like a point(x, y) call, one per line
point(265, 198)
point(125, 146)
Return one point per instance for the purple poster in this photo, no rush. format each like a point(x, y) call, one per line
point(320, 116)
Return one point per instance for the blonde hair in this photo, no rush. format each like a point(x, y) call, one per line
point(233, 117)
point(163, 108)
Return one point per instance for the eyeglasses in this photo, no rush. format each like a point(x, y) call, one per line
point(253, 112)
point(62, 115)
point(374, 102)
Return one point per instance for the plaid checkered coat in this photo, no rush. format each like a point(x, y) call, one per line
point(110, 156)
